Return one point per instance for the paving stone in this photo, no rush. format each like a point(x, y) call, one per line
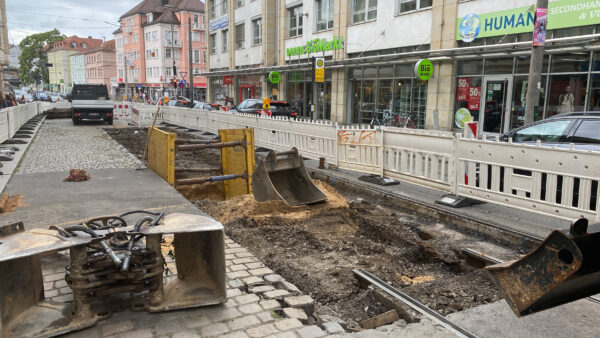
point(235, 250)
point(237, 274)
point(246, 299)
point(276, 294)
point(273, 278)
point(229, 257)
point(261, 288)
point(288, 324)
point(60, 284)
point(250, 308)
point(235, 283)
point(167, 326)
point(265, 316)
point(298, 301)
point(261, 271)
point(63, 299)
point(65, 291)
point(214, 330)
point(186, 334)
point(48, 286)
point(233, 245)
point(233, 292)
point(253, 280)
point(269, 304)
point(245, 260)
point(221, 313)
point(114, 328)
point(288, 334)
point(237, 267)
point(243, 254)
point(50, 293)
point(333, 327)
point(299, 314)
point(312, 331)
point(144, 333)
point(53, 277)
point(289, 286)
point(262, 331)
point(255, 265)
point(236, 334)
point(243, 322)
point(196, 322)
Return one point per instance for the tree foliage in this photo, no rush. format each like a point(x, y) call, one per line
point(34, 55)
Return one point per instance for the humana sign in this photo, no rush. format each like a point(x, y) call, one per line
point(316, 46)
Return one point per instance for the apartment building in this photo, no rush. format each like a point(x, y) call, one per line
point(153, 46)
point(78, 68)
point(4, 46)
point(59, 58)
point(479, 53)
point(101, 65)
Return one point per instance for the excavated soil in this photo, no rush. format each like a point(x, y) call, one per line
point(316, 247)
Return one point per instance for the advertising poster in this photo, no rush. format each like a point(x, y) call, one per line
point(539, 30)
point(462, 89)
point(474, 98)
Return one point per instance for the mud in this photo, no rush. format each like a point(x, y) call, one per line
point(316, 247)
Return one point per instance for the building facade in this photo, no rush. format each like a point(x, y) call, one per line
point(4, 46)
point(78, 68)
point(479, 55)
point(59, 59)
point(153, 47)
point(101, 65)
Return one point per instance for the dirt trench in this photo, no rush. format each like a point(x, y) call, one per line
point(316, 247)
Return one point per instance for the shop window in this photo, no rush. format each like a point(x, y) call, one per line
point(594, 102)
point(225, 40)
point(519, 95)
point(256, 32)
point(213, 43)
point(367, 106)
point(523, 62)
point(402, 97)
point(499, 66)
point(386, 72)
point(567, 63)
point(468, 95)
point(240, 36)
point(385, 102)
point(419, 104)
point(474, 67)
point(403, 6)
point(404, 70)
point(574, 31)
point(364, 10)
point(324, 14)
point(295, 21)
point(370, 72)
point(567, 93)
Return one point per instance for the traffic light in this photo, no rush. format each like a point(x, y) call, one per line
point(174, 81)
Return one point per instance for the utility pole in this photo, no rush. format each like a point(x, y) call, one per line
point(191, 82)
point(125, 71)
point(535, 75)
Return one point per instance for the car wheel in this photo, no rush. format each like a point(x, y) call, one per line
point(110, 121)
point(76, 122)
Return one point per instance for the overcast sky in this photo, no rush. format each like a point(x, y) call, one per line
point(96, 18)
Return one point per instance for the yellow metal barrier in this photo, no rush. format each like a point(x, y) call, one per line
point(237, 160)
point(161, 154)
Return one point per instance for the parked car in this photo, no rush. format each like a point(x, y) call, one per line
point(580, 128)
point(91, 102)
point(255, 106)
point(205, 106)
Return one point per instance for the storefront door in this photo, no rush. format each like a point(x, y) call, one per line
point(495, 101)
point(246, 92)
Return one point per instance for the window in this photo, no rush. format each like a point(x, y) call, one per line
point(587, 132)
point(211, 11)
point(403, 6)
point(240, 36)
point(364, 10)
point(149, 17)
point(545, 132)
point(168, 53)
point(73, 45)
point(147, 39)
point(203, 37)
point(126, 42)
point(155, 71)
point(213, 43)
point(324, 14)
point(196, 19)
point(196, 36)
point(256, 32)
point(154, 36)
point(203, 56)
point(225, 40)
point(196, 56)
point(240, 3)
point(295, 22)
point(224, 6)
point(148, 72)
point(169, 71)
point(135, 37)
point(196, 71)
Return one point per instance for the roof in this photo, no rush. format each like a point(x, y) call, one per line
point(167, 17)
point(118, 31)
point(66, 43)
point(108, 46)
point(156, 6)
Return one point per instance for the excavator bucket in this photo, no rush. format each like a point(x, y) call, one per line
point(564, 268)
point(282, 176)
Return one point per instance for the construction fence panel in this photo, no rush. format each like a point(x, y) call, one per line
point(360, 149)
point(563, 183)
point(424, 157)
point(143, 114)
point(4, 130)
point(314, 139)
point(273, 133)
point(12, 121)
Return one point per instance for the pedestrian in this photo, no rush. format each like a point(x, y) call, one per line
point(23, 100)
point(7, 100)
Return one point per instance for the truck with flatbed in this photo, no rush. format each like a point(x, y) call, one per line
point(91, 102)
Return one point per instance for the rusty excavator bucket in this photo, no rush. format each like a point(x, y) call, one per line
point(282, 176)
point(564, 268)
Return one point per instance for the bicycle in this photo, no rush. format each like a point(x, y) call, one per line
point(403, 121)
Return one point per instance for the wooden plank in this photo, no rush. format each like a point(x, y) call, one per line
point(380, 320)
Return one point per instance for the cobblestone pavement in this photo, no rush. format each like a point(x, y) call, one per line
point(260, 304)
point(60, 146)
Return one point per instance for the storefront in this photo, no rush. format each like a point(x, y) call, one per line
point(302, 91)
point(387, 93)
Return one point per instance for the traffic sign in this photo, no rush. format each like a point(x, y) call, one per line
point(320, 69)
point(183, 74)
point(182, 83)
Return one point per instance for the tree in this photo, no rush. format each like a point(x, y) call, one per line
point(34, 55)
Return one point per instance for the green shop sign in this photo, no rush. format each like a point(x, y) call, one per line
point(316, 46)
point(423, 69)
point(274, 77)
point(561, 14)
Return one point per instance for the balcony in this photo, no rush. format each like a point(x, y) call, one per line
point(172, 43)
point(197, 26)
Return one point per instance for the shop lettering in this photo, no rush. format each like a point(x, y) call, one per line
point(575, 7)
point(506, 22)
point(316, 46)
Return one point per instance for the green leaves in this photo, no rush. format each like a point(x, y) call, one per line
point(34, 55)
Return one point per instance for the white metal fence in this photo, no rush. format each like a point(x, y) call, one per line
point(560, 182)
point(12, 118)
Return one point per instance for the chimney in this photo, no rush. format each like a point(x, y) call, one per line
point(89, 36)
point(164, 2)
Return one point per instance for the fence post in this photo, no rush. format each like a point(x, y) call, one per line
point(453, 174)
point(381, 152)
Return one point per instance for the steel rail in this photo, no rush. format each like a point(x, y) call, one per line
point(413, 303)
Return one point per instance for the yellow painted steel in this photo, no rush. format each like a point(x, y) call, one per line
point(161, 154)
point(236, 160)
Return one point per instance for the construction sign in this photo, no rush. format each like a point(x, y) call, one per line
point(320, 69)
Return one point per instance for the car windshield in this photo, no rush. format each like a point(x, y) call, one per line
point(90, 93)
point(545, 132)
